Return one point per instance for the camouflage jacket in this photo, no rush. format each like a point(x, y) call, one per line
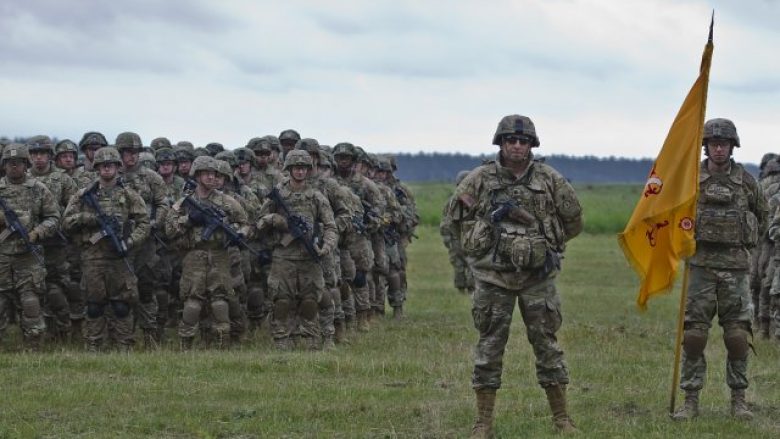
point(61, 186)
point(552, 216)
point(370, 197)
point(339, 199)
point(731, 215)
point(151, 187)
point(36, 209)
point(405, 199)
point(312, 206)
point(189, 236)
point(117, 201)
point(261, 181)
point(81, 177)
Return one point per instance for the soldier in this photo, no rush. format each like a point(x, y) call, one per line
point(288, 139)
point(357, 259)
point(296, 279)
point(208, 280)
point(160, 142)
point(66, 159)
point(62, 187)
point(763, 261)
point(450, 235)
point(110, 282)
point(516, 215)
point(731, 214)
point(392, 238)
point(184, 158)
point(22, 270)
point(150, 186)
point(214, 148)
point(89, 143)
point(256, 171)
point(405, 198)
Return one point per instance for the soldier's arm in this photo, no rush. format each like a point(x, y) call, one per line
point(72, 218)
point(465, 199)
point(567, 206)
point(49, 215)
point(175, 220)
point(69, 189)
point(238, 217)
point(761, 209)
point(140, 217)
point(329, 232)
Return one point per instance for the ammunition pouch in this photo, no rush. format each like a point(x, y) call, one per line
point(727, 227)
point(478, 238)
point(525, 252)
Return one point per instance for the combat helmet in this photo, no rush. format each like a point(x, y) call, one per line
point(227, 156)
point(165, 155)
point(766, 159)
point(108, 154)
point(274, 142)
point(199, 151)
point(92, 138)
point(160, 142)
point(185, 144)
point(721, 129)
point(224, 168)
point(40, 143)
point(312, 146)
point(242, 155)
point(214, 148)
point(147, 159)
point(461, 175)
point(203, 163)
point(326, 160)
point(15, 151)
point(344, 148)
point(289, 135)
point(516, 124)
point(128, 140)
point(383, 163)
point(297, 157)
point(66, 145)
point(183, 154)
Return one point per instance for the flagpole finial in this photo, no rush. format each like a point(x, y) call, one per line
point(712, 22)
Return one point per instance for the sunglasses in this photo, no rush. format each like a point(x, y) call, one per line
point(523, 140)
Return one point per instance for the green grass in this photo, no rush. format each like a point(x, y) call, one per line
point(403, 380)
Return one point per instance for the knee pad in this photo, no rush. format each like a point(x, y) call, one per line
point(736, 340)
point(360, 279)
point(309, 309)
point(394, 281)
point(326, 301)
point(191, 312)
point(57, 300)
point(345, 290)
point(95, 309)
point(31, 307)
point(221, 311)
point(694, 342)
point(281, 309)
point(121, 309)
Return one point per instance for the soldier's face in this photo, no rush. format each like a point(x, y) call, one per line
point(166, 168)
point(299, 173)
point(380, 175)
point(15, 168)
point(515, 148)
point(262, 158)
point(324, 171)
point(40, 159)
point(719, 150)
point(206, 178)
point(288, 145)
point(130, 157)
point(344, 162)
point(107, 171)
point(89, 152)
point(184, 167)
point(219, 181)
point(66, 160)
point(244, 168)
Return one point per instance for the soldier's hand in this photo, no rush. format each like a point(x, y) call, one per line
point(322, 251)
point(279, 222)
point(129, 243)
point(88, 219)
point(34, 236)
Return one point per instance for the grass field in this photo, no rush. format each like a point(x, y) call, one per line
point(402, 380)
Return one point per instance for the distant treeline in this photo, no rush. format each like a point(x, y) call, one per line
point(587, 169)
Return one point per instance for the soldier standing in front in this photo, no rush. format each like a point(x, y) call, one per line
point(730, 216)
point(516, 215)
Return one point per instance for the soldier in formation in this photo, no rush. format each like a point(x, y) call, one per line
point(133, 251)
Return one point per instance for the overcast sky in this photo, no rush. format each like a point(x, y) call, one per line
point(598, 77)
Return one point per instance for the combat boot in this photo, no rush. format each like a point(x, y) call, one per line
point(313, 343)
point(32, 343)
point(349, 321)
point(92, 346)
point(327, 343)
point(283, 344)
point(764, 328)
point(398, 313)
point(739, 408)
point(690, 408)
point(340, 333)
point(362, 321)
point(483, 424)
point(151, 342)
point(556, 396)
point(185, 343)
point(76, 331)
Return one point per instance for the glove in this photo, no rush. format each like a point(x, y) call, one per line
point(196, 217)
point(88, 219)
point(279, 222)
point(322, 251)
point(33, 235)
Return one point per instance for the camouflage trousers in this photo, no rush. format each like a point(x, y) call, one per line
point(540, 308)
point(112, 290)
point(55, 304)
point(711, 291)
point(143, 259)
point(205, 280)
point(76, 291)
point(22, 284)
point(362, 258)
point(395, 294)
point(297, 287)
point(774, 296)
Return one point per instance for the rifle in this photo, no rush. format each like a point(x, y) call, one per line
point(297, 226)
point(213, 218)
point(109, 225)
point(13, 225)
point(153, 230)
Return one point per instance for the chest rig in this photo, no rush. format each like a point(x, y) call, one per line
point(723, 214)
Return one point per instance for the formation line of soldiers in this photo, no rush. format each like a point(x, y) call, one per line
point(212, 242)
point(506, 228)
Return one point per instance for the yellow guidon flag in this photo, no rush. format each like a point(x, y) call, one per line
point(661, 230)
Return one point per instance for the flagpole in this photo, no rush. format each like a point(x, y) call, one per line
point(678, 339)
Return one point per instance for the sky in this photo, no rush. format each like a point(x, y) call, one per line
point(598, 77)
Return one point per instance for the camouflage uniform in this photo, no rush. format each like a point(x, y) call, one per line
point(112, 288)
point(206, 263)
point(515, 257)
point(763, 262)
point(410, 221)
point(296, 281)
point(150, 186)
point(450, 235)
point(730, 216)
point(22, 277)
point(62, 187)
